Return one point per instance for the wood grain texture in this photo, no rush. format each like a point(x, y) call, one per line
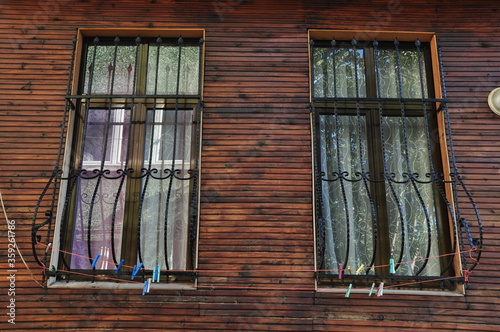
point(256, 241)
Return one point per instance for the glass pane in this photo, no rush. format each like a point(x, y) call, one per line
point(100, 199)
point(410, 74)
point(163, 73)
point(167, 197)
point(409, 228)
point(164, 128)
point(106, 138)
point(349, 75)
point(102, 77)
point(347, 209)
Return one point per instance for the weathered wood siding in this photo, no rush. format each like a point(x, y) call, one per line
point(256, 195)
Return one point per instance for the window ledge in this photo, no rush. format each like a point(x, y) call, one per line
point(456, 293)
point(116, 285)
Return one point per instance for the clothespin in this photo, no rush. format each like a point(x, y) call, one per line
point(51, 272)
point(147, 285)
point(119, 266)
point(349, 269)
point(360, 269)
point(380, 290)
point(94, 262)
point(133, 272)
point(136, 270)
point(392, 269)
point(466, 274)
point(348, 293)
point(156, 274)
point(48, 247)
point(340, 271)
point(371, 289)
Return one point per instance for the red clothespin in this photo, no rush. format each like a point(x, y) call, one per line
point(466, 276)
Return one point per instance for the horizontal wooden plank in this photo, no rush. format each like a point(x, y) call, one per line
point(256, 198)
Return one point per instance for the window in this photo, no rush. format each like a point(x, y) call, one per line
point(380, 189)
point(132, 184)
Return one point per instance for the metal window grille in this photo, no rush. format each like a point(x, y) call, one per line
point(134, 131)
point(349, 92)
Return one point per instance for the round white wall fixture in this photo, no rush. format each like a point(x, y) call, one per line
point(494, 101)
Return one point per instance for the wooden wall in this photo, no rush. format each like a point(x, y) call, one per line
point(256, 197)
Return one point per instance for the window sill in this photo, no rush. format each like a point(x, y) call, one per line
point(116, 285)
point(457, 293)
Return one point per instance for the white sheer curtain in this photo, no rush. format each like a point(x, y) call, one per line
point(412, 224)
point(342, 156)
point(409, 230)
point(411, 207)
point(167, 196)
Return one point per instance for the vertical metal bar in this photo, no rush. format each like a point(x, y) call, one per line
point(56, 173)
point(78, 173)
point(435, 178)
point(97, 188)
point(410, 174)
point(320, 243)
point(116, 41)
point(364, 175)
point(341, 173)
point(458, 180)
point(389, 177)
point(103, 161)
point(126, 171)
point(201, 42)
point(174, 148)
point(195, 174)
point(150, 157)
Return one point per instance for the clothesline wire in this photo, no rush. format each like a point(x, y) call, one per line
point(269, 270)
point(259, 271)
point(252, 287)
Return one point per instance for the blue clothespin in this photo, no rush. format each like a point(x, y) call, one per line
point(371, 289)
point(340, 270)
point(94, 262)
point(156, 274)
point(136, 270)
point(147, 285)
point(119, 266)
point(348, 293)
point(392, 269)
